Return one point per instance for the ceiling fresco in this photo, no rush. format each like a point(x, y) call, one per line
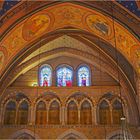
point(65, 15)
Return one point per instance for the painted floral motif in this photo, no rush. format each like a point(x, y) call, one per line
point(35, 26)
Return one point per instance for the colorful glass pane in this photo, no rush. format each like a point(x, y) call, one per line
point(64, 77)
point(45, 76)
point(83, 76)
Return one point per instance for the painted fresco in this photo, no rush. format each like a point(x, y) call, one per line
point(3, 54)
point(99, 25)
point(35, 25)
point(70, 15)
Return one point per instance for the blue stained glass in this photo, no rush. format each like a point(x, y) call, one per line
point(83, 76)
point(45, 76)
point(64, 77)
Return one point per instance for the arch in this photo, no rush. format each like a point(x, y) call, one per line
point(72, 134)
point(23, 113)
point(117, 135)
point(117, 112)
point(87, 14)
point(10, 113)
point(104, 113)
point(54, 112)
point(83, 75)
point(45, 75)
point(86, 113)
point(72, 113)
point(24, 132)
point(64, 74)
point(41, 113)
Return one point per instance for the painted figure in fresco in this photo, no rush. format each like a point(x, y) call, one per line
point(100, 26)
point(45, 82)
point(36, 24)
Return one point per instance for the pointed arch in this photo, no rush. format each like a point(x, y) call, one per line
point(45, 75)
point(117, 111)
point(72, 113)
point(54, 113)
point(104, 113)
point(24, 132)
point(10, 113)
point(41, 113)
point(23, 113)
point(86, 113)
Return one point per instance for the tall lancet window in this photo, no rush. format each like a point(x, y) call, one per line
point(45, 76)
point(83, 76)
point(64, 76)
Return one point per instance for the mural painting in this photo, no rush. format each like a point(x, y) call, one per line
point(66, 15)
point(3, 55)
point(99, 25)
point(35, 25)
point(124, 41)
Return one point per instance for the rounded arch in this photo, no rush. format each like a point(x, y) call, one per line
point(83, 74)
point(64, 75)
point(21, 132)
point(72, 134)
point(45, 75)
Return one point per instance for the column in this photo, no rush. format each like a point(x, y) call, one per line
point(32, 115)
point(95, 115)
point(79, 115)
point(63, 115)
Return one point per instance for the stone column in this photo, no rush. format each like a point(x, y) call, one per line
point(63, 115)
point(32, 115)
point(111, 117)
point(78, 115)
point(95, 113)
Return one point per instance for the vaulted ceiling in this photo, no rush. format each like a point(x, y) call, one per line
point(27, 27)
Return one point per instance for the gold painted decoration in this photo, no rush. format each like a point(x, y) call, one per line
point(124, 41)
point(135, 56)
point(73, 16)
point(67, 15)
point(35, 25)
point(3, 55)
point(1, 59)
point(99, 25)
point(14, 41)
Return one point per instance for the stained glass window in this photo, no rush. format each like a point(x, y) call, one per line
point(45, 76)
point(83, 76)
point(64, 77)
